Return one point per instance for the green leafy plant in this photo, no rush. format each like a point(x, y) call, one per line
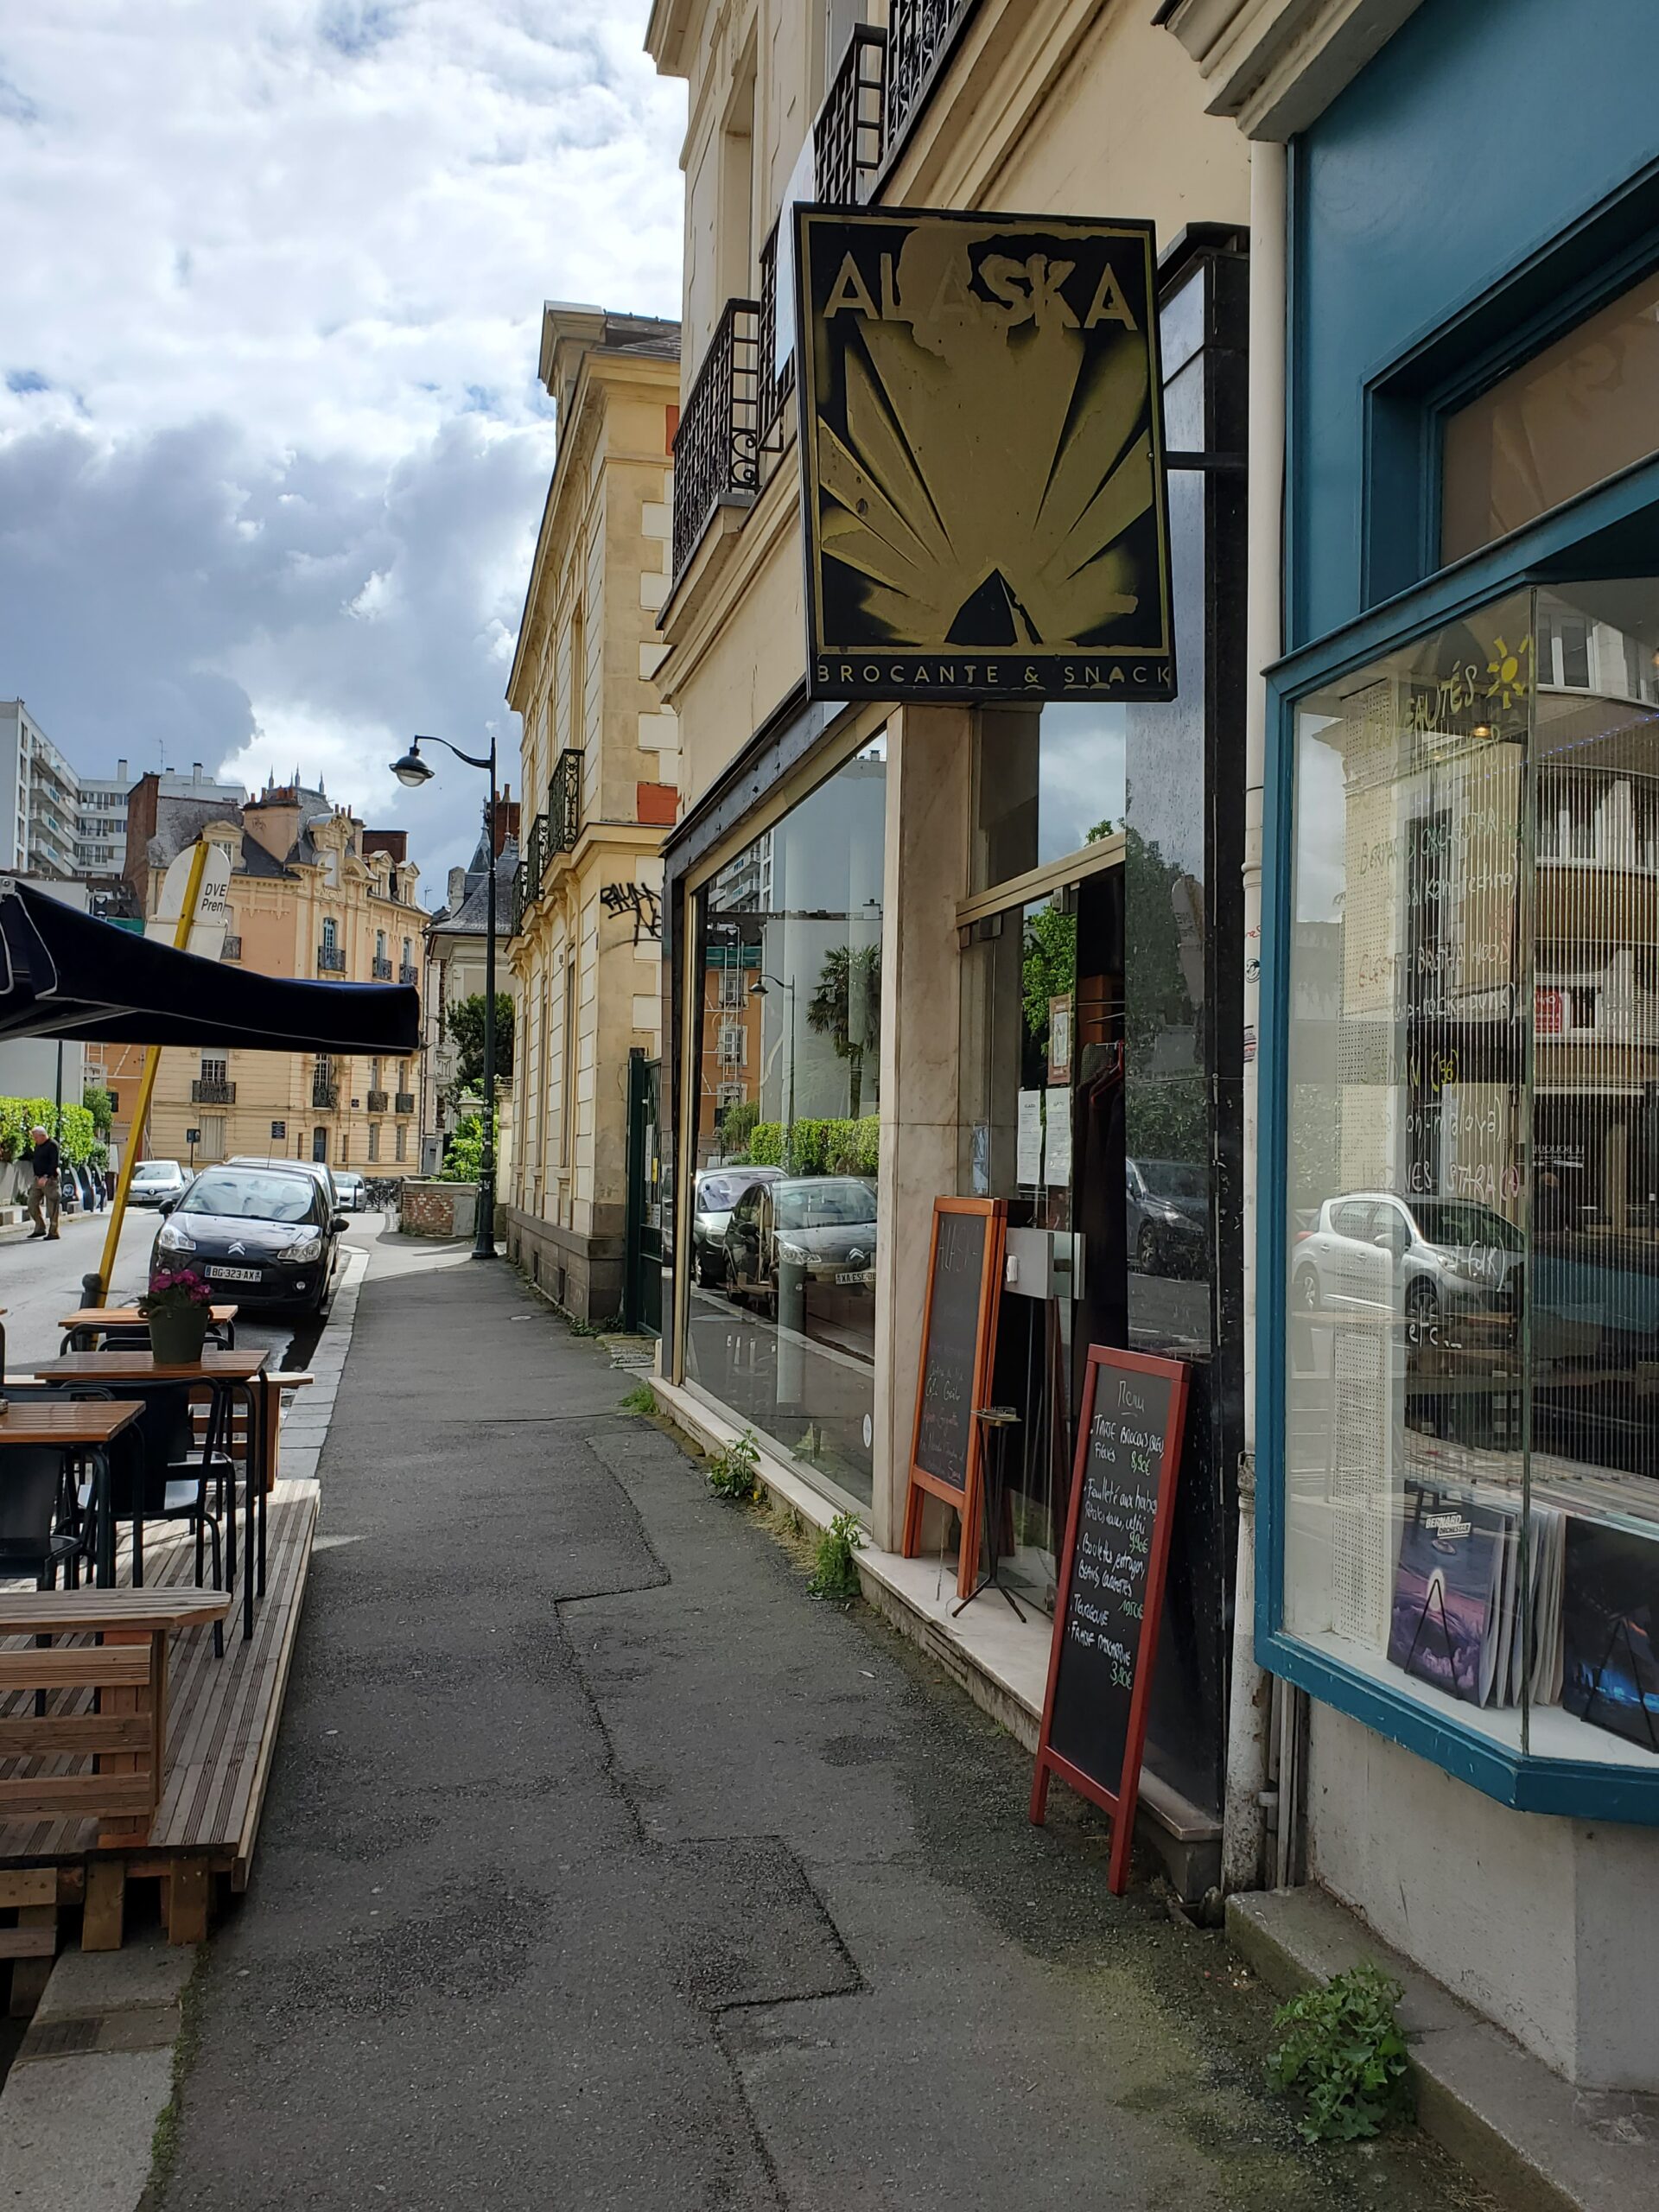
point(734, 1473)
point(466, 1024)
point(100, 1106)
point(847, 1009)
point(642, 1399)
point(835, 1572)
point(463, 1153)
point(1345, 2050)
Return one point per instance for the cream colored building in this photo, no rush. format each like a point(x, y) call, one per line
point(316, 896)
point(874, 874)
point(457, 963)
point(601, 773)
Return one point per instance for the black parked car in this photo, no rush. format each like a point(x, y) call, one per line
point(267, 1236)
point(1166, 1214)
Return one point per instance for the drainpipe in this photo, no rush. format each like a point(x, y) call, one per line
point(1243, 1818)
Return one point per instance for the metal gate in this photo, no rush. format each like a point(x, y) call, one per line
point(642, 1307)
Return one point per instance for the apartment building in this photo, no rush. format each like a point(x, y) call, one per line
point(316, 894)
point(601, 753)
point(456, 964)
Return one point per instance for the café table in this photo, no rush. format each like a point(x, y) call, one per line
point(78, 1425)
point(87, 1321)
point(230, 1372)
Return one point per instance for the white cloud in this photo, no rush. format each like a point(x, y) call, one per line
point(271, 448)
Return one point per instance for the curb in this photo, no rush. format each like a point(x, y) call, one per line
point(95, 2076)
point(1537, 2142)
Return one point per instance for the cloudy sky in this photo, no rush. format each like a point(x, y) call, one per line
point(272, 451)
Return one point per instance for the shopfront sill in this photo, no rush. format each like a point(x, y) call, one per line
point(1001, 1663)
point(1533, 2138)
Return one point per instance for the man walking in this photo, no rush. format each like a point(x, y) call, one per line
point(44, 1198)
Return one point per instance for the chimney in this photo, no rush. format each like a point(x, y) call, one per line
point(457, 887)
point(121, 773)
point(196, 772)
point(506, 819)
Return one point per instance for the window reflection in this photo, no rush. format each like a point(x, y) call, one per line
point(1048, 781)
point(780, 1327)
point(1472, 1359)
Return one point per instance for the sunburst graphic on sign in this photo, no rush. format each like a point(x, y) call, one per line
point(1014, 538)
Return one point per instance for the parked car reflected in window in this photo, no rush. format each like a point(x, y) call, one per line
point(717, 1192)
point(1166, 1216)
point(812, 1233)
point(1426, 1261)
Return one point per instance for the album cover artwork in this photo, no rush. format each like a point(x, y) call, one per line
point(1610, 1629)
point(1445, 1625)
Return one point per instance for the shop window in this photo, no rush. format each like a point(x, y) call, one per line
point(1470, 1424)
point(374, 1139)
point(779, 1328)
point(1048, 781)
point(1574, 414)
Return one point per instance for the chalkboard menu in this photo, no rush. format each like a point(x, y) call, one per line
point(1111, 1587)
point(965, 1284)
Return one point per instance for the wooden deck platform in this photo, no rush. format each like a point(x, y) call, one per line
point(221, 1723)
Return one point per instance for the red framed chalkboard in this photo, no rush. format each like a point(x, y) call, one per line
point(1110, 1594)
point(965, 1291)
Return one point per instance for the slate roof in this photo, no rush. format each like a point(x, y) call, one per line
point(471, 917)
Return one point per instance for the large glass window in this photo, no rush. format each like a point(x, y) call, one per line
point(1047, 781)
point(1574, 414)
point(1472, 1363)
point(781, 1321)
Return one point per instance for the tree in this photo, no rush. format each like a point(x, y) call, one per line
point(847, 1009)
point(100, 1104)
point(465, 1020)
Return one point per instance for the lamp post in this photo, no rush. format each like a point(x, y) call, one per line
point(412, 772)
point(757, 991)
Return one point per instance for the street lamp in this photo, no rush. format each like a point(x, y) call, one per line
point(757, 991)
point(412, 772)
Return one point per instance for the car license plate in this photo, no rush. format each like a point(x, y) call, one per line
point(233, 1275)
point(850, 1274)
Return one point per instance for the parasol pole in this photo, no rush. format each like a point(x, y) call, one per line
point(97, 1287)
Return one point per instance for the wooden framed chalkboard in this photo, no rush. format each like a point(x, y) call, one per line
point(1111, 1587)
point(965, 1289)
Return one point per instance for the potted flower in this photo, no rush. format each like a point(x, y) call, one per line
point(178, 1308)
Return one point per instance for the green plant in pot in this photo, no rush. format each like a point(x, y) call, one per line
point(178, 1307)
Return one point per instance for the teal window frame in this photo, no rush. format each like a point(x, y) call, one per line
point(1612, 530)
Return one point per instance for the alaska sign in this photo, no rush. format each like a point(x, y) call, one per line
point(982, 457)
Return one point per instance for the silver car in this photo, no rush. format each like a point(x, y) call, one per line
point(1371, 1252)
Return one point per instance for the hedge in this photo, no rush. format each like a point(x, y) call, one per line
point(820, 1147)
point(77, 1140)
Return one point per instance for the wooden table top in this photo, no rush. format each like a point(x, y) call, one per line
point(132, 1364)
point(75, 1422)
point(128, 1317)
point(45, 1613)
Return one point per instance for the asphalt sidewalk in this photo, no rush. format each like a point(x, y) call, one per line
point(603, 1869)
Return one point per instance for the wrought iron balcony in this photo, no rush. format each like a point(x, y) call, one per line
point(379, 1102)
point(231, 949)
point(409, 973)
point(212, 1090)
point(717, 448)
point(851, 133)
point(775, 385)
point(520, 899)
point(563, 805)
point(535, 854)
point(325, 1094)
point(918, 33)
point(331, 959)
point(382, 968)
point(403, 1101)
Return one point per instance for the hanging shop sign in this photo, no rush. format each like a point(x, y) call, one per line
point(965, 1287)
point(1111, 1587)
point(983, 447)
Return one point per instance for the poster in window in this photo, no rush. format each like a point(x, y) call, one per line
point(982, 478)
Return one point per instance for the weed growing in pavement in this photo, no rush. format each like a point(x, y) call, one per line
point(642, 1399)
point(835, 1574)
point(734, 1473)
point(1346, 2053)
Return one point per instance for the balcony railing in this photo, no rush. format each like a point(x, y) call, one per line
point(379, 1102)
point(331, 959)
point(775, 384)
point(919, 32)
point(409, 973)
point(717, 448)
point(851, 130)
point(212, 1090)
point(403, 1101)
point(535, 854)
point(520, 899)
point(325, 1095)
point(381, 968)
point(563, 805)
point(231, 949)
